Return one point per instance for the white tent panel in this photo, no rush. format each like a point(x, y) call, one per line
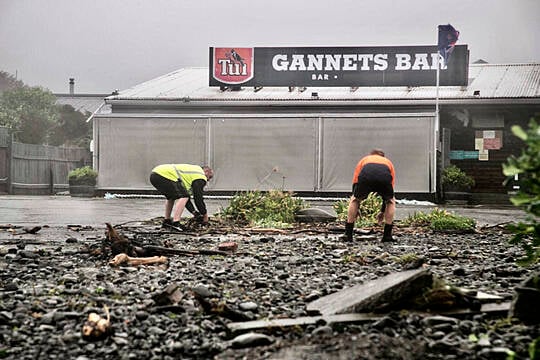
point(130, 147)
point(407, 141)
point(304, 153)
point(264, 153)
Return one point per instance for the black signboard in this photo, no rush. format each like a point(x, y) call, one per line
point(336, 66)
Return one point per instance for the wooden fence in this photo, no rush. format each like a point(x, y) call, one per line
point(28, 169)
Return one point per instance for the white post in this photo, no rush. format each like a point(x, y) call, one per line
point(436, 126)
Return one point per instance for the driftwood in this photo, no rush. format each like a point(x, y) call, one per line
point(152, 250)
point(219, 308)
point(26, 230)
point(135, 261)
point(97, 327)
point(119, 244)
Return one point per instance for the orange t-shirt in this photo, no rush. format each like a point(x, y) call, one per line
point(374, 159)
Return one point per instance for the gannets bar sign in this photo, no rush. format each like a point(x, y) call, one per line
point(336, 66)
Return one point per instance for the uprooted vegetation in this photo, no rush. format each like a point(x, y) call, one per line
point(436, 220)
point(277, 209)
point(440, 220)
point(369, 209)
point(255, 208)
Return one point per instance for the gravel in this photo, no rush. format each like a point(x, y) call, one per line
point(51, 281)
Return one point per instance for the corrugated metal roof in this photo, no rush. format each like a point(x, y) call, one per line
point(83, 103)
point(491, 81)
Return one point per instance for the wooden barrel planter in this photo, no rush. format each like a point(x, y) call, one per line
point(82, 182)
point(457, 197)
point(456, 185)
point(82, 190)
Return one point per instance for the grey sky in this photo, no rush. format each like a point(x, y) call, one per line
point(116, 44)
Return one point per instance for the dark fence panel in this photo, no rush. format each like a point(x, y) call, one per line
point(5, 140)
point(42, 169)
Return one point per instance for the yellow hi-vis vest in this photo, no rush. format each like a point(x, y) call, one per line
point(186, 172)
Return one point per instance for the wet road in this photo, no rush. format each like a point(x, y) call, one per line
point(66, 210)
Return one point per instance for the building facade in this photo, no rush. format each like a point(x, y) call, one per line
point(308, 139)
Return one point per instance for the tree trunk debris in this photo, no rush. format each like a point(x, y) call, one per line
point(97, 327)
point(118, 244)
point(136, 261)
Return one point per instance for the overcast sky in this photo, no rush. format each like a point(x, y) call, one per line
point(116, 44)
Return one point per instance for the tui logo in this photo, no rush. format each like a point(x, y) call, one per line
point(233, 66)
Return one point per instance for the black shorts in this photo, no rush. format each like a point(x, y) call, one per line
point(172, 190)
point(375, 180)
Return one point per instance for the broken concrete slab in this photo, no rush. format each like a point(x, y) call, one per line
point(480, 295)
point(373, 295)
point(301, 321)
point(239, 327)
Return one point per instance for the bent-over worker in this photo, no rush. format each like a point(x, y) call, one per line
point(373, 173)
point(177, 182)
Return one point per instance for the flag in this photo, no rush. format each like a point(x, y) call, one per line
point(448, 37)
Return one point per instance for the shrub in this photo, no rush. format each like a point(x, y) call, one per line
point(440, 220)
point(453, 223)
point(454, 177)
point(369, 209)
point(527, 165)
point(274, 208)
point(82, 176)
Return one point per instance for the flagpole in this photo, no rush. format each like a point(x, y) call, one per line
point(447, 37)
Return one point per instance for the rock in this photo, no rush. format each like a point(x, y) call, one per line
point(169, 296)
point(28, 254)
point(5, 317)
point(526, 299)
point(230, 246)
point(248, 306)
point(251, 340)
point(313, 215)
point(459, 271)
point(436, 320)
point(322, 331)
point(202, 291)
point(32, 230)
point(495, 353)
point(142, 315)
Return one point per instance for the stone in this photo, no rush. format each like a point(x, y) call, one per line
point(230, 246)
point(171, 295)
point(525, 302)
point(248, 306)
point(313, 215)
point(251, 340)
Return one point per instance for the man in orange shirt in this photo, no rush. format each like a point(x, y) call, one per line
point(373, 173)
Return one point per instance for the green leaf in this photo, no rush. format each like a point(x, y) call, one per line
point(519, 132)
point(511, 170)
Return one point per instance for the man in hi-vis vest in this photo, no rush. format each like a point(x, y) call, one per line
point(177, 182)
